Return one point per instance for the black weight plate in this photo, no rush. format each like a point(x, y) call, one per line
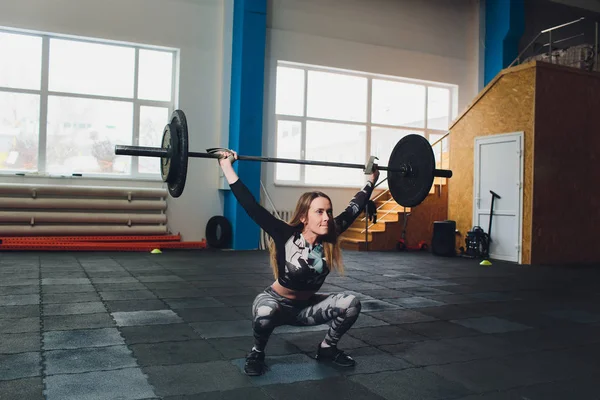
point(179, 160)
point(168, 170)
point(415, 152)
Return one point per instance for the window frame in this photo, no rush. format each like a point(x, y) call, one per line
point(425, 131)
point(44, 93)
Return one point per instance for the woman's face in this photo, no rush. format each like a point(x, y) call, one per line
point(319, 216)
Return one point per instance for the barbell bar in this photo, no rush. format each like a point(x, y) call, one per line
point(411, 168)
point(142, 151)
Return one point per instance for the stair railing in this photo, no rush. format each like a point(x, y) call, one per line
point(552, 42)
point(378, 196)
point(365, 219)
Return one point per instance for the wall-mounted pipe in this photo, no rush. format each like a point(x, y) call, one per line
point(32, 190)
point(65, 230)
point(90, 204)
point(80, 217)
point(47, 210)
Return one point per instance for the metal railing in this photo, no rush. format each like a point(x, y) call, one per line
point(553, 41)
point(276, 213)
point(365, 218)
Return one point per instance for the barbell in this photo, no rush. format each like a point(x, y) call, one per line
point(411, 167)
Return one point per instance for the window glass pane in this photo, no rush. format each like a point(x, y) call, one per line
point(339, 143)
point(290, 91)
point(91, 68)
point(19, 131)
point(20, 61)
point(82, 134)
point(337, 96)
point(438, 107)
point(152, 125)
point(398, 103)
point(289, 145)
point(383, 141)
point(156, 75)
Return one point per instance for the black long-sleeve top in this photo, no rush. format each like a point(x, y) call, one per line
point(301, 266)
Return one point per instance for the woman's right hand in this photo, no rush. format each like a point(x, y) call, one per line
point(227, 157)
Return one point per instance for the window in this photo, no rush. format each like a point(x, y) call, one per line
point(344, 116)
point(66, 102)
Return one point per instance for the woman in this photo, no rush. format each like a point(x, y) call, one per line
point(302, 252)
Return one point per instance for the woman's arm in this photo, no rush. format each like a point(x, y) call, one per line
point(357, 204)
point(267, 221)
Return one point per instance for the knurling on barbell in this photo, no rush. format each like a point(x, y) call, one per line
point(411, 167)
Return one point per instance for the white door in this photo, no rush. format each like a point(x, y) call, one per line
point(499, 168)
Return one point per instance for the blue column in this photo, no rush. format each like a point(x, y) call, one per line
point(246, 111)
point(504, 26)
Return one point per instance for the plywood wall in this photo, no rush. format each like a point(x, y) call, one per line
point(566, 206)
point(505, 106)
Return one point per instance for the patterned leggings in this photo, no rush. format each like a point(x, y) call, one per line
point(270, 310)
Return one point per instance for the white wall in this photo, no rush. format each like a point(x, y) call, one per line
point(435, 40)
point(432, 40)
point(196, 27)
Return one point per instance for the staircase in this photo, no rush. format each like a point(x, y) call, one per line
point(381, 236)
point(384, 235)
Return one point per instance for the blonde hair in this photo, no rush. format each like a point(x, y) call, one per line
point(331, 248)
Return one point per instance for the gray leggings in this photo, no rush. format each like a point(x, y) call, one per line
point(270, 310)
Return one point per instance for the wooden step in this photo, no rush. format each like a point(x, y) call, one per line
point(390, 206)
point(381, 220)
point(381, 238)
point(394, 216)
point(374, 228)
point(380, 225)
point(358, 233)
point(385, 196)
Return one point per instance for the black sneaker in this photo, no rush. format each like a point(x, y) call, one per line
point(334, 355)
point(255, 363)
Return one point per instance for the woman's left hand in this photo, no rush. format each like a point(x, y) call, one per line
point(374, 175)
